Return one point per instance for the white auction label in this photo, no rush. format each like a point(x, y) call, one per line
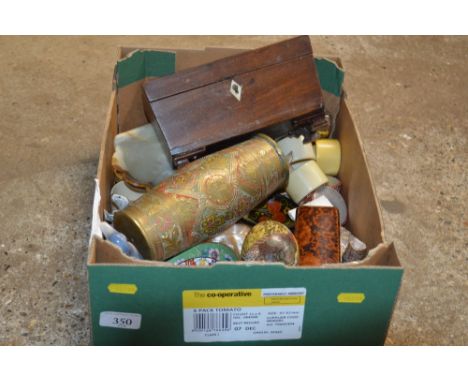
point(243, 314)
point(120, 320)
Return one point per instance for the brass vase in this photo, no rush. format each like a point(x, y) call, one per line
point(203, 198)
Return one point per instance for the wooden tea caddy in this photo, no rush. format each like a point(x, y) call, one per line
point(205, 108)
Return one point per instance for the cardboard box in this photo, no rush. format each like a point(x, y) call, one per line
point(142, 302)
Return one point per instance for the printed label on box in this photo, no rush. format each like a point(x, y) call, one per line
point(243, 314)
point(120, 320)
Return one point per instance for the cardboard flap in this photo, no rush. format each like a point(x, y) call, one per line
point(143, 63)
point(358, 190)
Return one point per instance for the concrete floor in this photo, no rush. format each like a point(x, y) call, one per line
point(408, 96)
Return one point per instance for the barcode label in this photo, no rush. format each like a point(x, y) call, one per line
point(212, 321)
point(243, 314)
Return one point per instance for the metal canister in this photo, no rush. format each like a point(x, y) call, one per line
point(203, 198)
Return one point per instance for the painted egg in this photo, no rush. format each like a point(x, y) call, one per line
point(271, 241)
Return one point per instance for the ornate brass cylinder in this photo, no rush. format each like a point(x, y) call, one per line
point(203, 198)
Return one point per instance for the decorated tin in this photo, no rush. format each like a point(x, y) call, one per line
point(275, 208)
point(270, 241)
point(203, 198)
point(318, 234)
point(204, 254)
point(333, 196)
point(321, 201)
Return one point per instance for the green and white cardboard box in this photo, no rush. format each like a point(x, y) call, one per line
point(137, 302)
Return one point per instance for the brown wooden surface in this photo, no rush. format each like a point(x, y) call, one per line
point(228, 67)
point(211, 114)
point(195, 109)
